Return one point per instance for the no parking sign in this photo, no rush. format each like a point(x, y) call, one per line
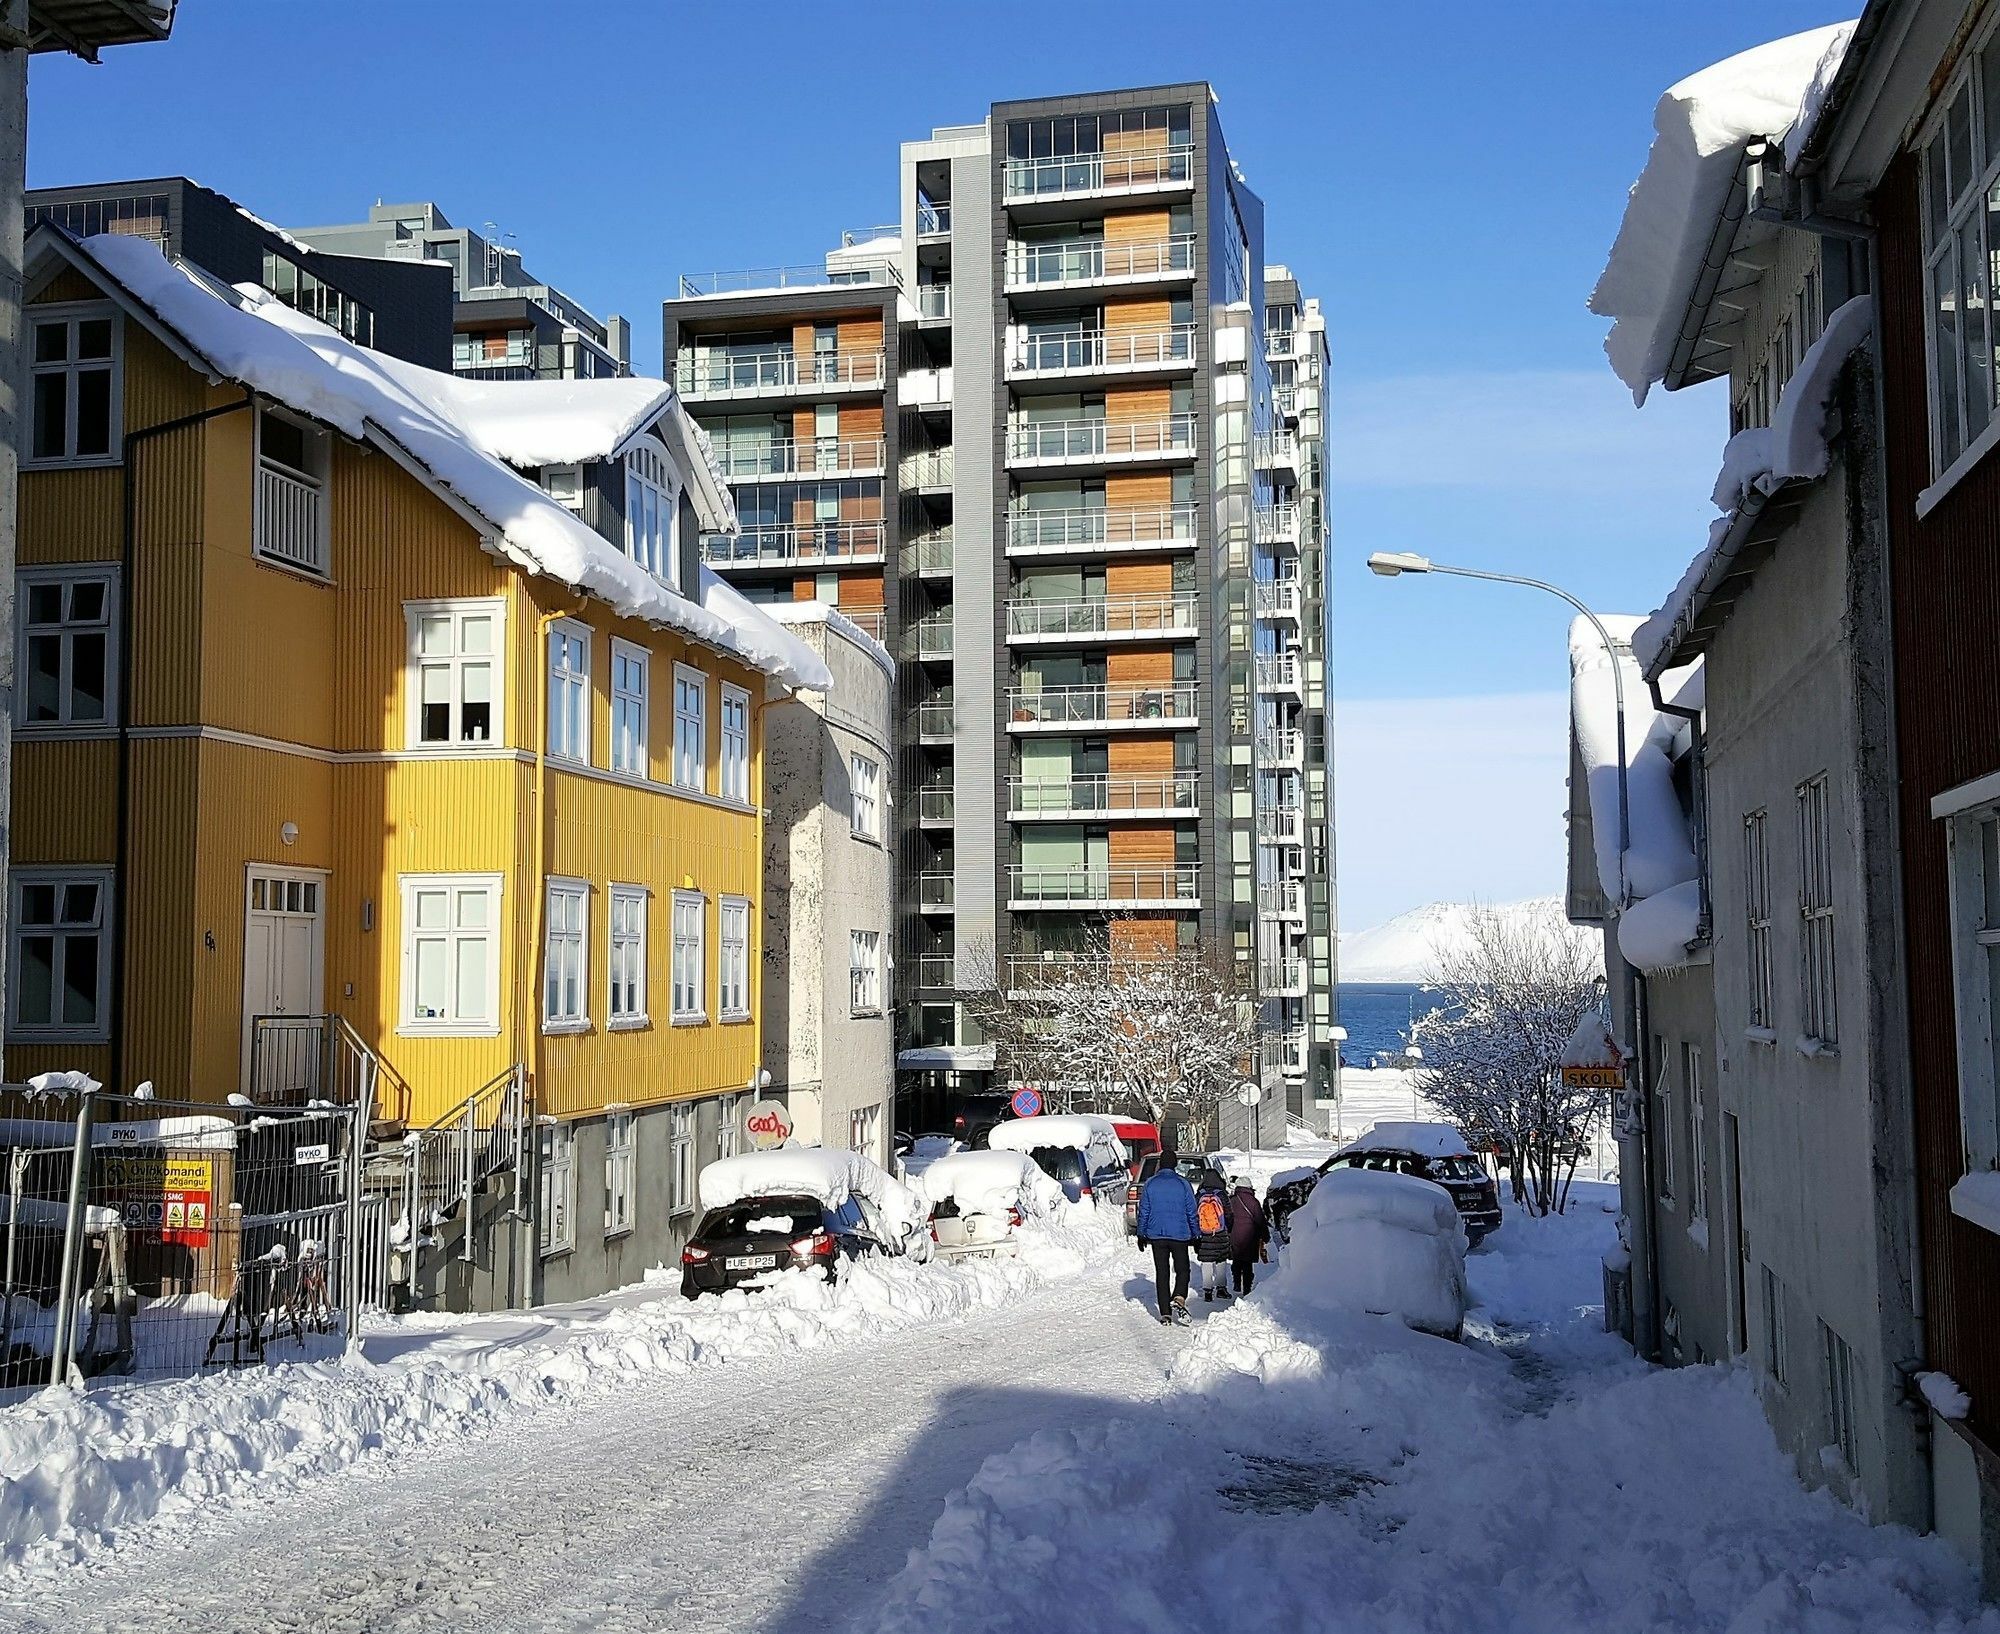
point(1027, 1103)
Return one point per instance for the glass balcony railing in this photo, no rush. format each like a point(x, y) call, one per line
point(868, 620)
point(934, 300)
point(1117, 702)
point(806, 275)
point(748, 374)
point(1278, 598)
point(936, 803)
point(741, 461)
point(934, 720)
point(1086, 260)
point(1137, 882)
point(778, 543)
point(1283, 977)
point(928, 553)
point(1073, 351)
point(1281, 825)
point(1281, 748)
point(1105, 525)
point(929, 638)
point(936, 970)
point(1103, 794)
point(1285, 899)
point(934, 889)
point(1066, 175)
point(1279, 674)
point(1100, 615)
point(926, 468)
point(1278, 450)
point(1277, 523)
point(1053, 440)
point(932, 218)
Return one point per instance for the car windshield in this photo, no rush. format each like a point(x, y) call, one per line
point(1059, 1162)
point(1458, 1168)
point(763, 1216)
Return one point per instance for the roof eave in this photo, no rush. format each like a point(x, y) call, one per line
point(1751, 538)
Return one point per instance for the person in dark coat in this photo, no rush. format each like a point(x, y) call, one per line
point(1166, 1224)
point(1248, 1232)
point(1211, 1244)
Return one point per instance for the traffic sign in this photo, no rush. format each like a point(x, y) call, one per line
point(1027, 1103)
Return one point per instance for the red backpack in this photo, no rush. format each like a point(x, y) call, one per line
point(1209, 1215)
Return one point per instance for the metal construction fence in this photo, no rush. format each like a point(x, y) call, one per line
point(151, 1238)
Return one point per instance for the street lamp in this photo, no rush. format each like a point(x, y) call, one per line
point(1390, 564)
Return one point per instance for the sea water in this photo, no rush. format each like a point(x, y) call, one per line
point(1377, 1016)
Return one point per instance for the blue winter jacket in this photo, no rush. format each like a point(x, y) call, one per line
point(1166, 1209)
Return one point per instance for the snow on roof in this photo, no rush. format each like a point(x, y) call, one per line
point(963, 1057)
point(990, 1182)
point(252, 338)
point(830, 1177)
point(819, 612)
point(1079, 1131)
point(1702, 124)
point(1426, 1139)
point(1756, 463)
point(540, 422)
point(1591, 1045)
point(1656, 934)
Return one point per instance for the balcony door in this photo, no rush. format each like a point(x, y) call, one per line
point(284, 974)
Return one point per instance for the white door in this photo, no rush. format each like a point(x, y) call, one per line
point(284, 957)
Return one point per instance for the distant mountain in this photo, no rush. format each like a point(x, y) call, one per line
point(1404, 948)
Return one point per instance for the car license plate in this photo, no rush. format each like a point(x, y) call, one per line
point(750, 1262)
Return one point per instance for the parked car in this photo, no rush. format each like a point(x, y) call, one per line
point(1436, 1152)
point(798, 1207)
point(1080, 1151)
point(980, 1200)
point(1190, 1164)
point(975, 1115)
point(1382, 1243)
point(916, 1153)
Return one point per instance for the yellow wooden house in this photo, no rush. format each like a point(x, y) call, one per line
point(376, 726)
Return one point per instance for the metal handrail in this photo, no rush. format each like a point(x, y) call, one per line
point(1281, 975)
point(926, 468)
point(935, 970)
point(930, 637)
point(1055, 351)
point(1060, 174)
point(1116, 701)
point(1279, 598)
point(780, 369)
point(928, 552)
point(933, 218)
point(797, 542)
point(935, 889)
point(1100, 615)
point(1278, 674)
point(1284, 824)
point(1277, 521)
point(936, 803)
point(805, 275)
point(1278, 448)
point(444, 1164)
point(1100, 525)
point(1074, 260)
point(799, 455)
point(934, 300)
point(1281, 745)
point(1101, 439)
point(934, 720)
point(1091, 792)
point(1285, 899)
point(1114, 882)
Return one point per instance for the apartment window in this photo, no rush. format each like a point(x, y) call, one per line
point(67, 642)
point(1757, 916)
point(557, 1229)
point(864, 972)
point(690, 909)
point(733, 975)
point(294, 464)
point(1973, 837)
point(564, 484)
point(563, 956)
point(454, 671)
point(1816, 982)
point(652, 502)
point(60, 969)
point(627, 1007)
point(736, 745)
point(680, 1147)
point(729, 1124)
point(631, 675)
point(690, 727)
point(1774, 1326)
point(1961, 166)
point(866, 777)
point(569, 691)
point(621, 1159)
point(74, 385)
point(1666, 1177)
point(864, 1130)
point(1697, 1122)
point(1842, 1415)
point(451, 953)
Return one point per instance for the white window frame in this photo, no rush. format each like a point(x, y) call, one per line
point(1818, 984)
point(728, 1124)
point(732, 983)
point(65, 632)
point(631, 738)
point(408, 1022)
point(574, 697)
point(1757, 921)
point(566, 956)
point(735, 744)
point(98, 1029)
point(864, 775)
point(564, 484)
point(623, 943)
point(864, 1130)
point(621, 1170)
point(690, 768)
point(555, 1159)
point(1666, 1178)
point(652, 509)
point(1697, 1122)
point(864, 972)
point(415, 662)
point(1838, 1382)
point(1972, 838)
point(680, 1157)
point(72, 313)
point(1776, 1347)
point(690, 986)
point(318, 478)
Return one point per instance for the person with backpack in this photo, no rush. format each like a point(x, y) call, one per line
point(1248, 1232)
point(1166, 1224)
point(1211, 1223)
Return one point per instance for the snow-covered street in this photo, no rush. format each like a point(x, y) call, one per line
point(974, 1459)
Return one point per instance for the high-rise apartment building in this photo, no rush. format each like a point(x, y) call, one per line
point(1057, 436)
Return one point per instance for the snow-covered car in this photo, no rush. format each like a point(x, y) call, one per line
point(1430, 1151)
point(799, 1207)
point(1387, 1244)
point(917, 1153)
point(980, 1200)
point(1080, 1151)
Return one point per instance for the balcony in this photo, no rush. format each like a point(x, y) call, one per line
point(1281, 825)
point(1109, 886)
point(934, 722)
point(1281, 344)
point(709, 376)
point(1101, 442)
point(1279, 598)
point(1281, 899)
point(1281, 748)
point(783, 543)
point(935, 970)
point(1277, 524)
point(926, 468)
point(1093, 530)
point(1285, 399)
point(933, 220)
point(936, 803)
point(1291, 1049)
point(517, 354)
point(933, 302)
point(928, 637)
point(1278, 674)
point(1082, 262)
point(1081, 175)
point(808, 275)
point(928, 555)
point(934, 892)
point(1035, 621)
point(290, 518)
point(1078, 353)
point(868, 620)
point(1160, 706)
point(1277, 451)
point(1282, 978)
point(924, 389)
point(1100, 794)
point(806, 456)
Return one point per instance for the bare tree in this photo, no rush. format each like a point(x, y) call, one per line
point(1509, 998)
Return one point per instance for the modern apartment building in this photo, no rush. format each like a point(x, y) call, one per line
point(506, 324)
point(1056, 434)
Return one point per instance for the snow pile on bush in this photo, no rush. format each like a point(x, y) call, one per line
point(78, 1468)
point(1380, 1244)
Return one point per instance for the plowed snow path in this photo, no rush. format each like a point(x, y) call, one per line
point(772, 1497)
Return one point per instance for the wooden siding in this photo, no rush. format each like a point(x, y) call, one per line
point(1945, 610)
point(1135, 226)
point(1124, 405)
point(1142, 313)
point(1124, 577)
point(1131, 845)
point(1136, 937)
point(1148, 664)
point(862, 588)
point(860, 334)
point(1138, 755)
point(1138, 488)
point(861, 422)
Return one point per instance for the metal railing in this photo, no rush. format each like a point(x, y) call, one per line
point(1100, 615)
point(1285, 399)
point(1285, 899)
point(934, 720)
point(926, 468)
point(1080, 260)
point(933, 218)
point(1103, 793)
point(869, 620)
point(516, 354)
point(791, 456)
point(806, 275)
point(797, 542)
point(936, 970)
point(725, 373)
point(933, 300)
point(1039, 972)
point(1065, 174)
point(297, 1059)
point(289, 519)
point(1284, 746)
point(1276, 522)
point(1280, 344)
point(1278, 448)
point(1281, 825)
point(1290, 1049)
point(1116, 882)
point(1278, 598)
point(1099, 525)
point(928, 552)
point(1279, 674)
point(448, 1164)
point(1282, 976)
point(1117, 701)
point(1101, 439)
point(1061, 351)
point(929, 637)
point(934, 889)
point(936, 803)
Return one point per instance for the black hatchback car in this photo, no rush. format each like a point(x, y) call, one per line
point(1472, 1189)
point(746, 1239)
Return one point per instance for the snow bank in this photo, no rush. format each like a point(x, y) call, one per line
point(1085, 1132)
point(831, 1176)
point(1431, 1139)
point(1702, 126)
point(990, 1183)
point(1378, 1244)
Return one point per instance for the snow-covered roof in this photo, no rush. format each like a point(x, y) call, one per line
point(250, 337)
point(1079, 1131)
point(1425, 1139)
point(819, 612)
point(830, 1177)
point(540, 422)
point(955, 1057)
point(1671, 239)
point(1591, 1045)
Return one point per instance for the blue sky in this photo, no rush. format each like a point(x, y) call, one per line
point(1447, 177)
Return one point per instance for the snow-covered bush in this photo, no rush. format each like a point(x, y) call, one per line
point(1389, 1244)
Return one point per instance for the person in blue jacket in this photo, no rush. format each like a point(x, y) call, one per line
point(1167, 1225)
